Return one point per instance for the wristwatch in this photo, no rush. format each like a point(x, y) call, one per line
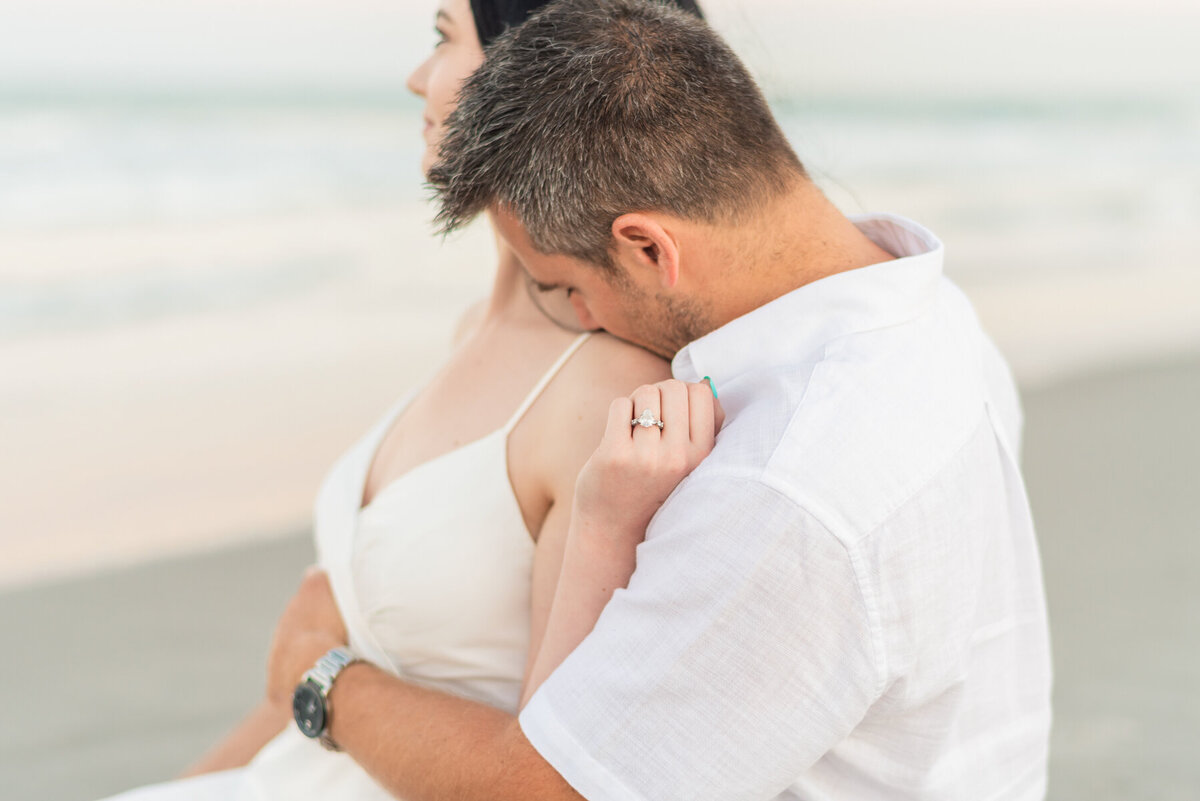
point(310, 701)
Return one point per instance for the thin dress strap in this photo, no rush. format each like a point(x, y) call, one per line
point(540, 386)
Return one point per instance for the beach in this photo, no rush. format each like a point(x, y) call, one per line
point(178, 383)
point(218, 268)
point(137, 670)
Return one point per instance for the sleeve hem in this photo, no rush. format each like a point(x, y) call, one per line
point(564, 753)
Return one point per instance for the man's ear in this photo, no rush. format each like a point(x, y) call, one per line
point(641, 242)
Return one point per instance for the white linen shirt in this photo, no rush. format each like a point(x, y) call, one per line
point(844, 601)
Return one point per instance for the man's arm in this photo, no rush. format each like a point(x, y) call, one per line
point(425, 745)
point(420, 744)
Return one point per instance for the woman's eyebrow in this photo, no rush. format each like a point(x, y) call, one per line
point(442, 15)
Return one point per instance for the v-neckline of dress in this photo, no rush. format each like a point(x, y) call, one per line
point(392, 419)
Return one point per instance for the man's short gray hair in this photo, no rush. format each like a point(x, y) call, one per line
point(595, 108)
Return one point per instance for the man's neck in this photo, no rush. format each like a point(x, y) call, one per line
point(799, 238)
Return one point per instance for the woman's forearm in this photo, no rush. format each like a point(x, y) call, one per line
point(593, 568)
point(238, 747)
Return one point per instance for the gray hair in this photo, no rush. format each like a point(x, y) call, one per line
point(595, 108)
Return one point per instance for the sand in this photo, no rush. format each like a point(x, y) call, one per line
point(121, 678)
point(1112, 463)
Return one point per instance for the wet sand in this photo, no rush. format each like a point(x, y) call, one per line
point(1112, 463)
point(121, 678)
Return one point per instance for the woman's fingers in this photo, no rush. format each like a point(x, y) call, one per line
point(637, 467)
point(691, 418)
point(703, 426)
point(690, 415)
point(620, 412)
point(675, 415)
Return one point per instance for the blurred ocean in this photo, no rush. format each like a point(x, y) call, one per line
point(1029, 189)
point(74, 168)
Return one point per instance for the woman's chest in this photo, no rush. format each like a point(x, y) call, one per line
point(438, 569)
point(475, 395)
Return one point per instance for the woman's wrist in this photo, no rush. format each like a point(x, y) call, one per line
point(606, 532)
point(597, 562)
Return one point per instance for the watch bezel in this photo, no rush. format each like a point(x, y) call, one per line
point(310, 725)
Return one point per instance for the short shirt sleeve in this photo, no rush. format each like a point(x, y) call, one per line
point(741, 652)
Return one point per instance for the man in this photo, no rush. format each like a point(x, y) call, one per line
point(844, 600)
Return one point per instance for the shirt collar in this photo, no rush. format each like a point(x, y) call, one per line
point(793, 327)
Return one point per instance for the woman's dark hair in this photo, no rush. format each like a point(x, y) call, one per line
point(492, 17)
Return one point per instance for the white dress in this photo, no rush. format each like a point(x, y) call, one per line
point(433, 581)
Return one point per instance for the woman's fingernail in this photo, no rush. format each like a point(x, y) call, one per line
point(711, 385)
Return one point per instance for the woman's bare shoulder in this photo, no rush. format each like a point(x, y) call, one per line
point(607, 363)
point(576, 404)
point(574, 407)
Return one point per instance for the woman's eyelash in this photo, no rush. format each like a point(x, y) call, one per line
point(540, 287)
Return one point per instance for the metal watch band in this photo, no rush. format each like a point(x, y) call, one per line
point(322, 675)
point(328, 667)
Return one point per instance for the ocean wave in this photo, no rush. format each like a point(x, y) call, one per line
point(68, 167)
point(91, 302)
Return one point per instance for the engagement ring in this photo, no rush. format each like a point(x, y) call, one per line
point(647, 420)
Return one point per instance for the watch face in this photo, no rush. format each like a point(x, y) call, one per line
point(308, 707)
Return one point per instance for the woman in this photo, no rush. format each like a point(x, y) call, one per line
point(443, 530)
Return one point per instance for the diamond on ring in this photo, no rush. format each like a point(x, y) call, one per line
point(647, 420)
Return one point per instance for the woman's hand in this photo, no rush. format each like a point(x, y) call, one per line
point(635, 468)
point(618, 490)
point(309, 627)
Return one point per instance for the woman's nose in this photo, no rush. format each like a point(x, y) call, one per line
point(417, 79)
